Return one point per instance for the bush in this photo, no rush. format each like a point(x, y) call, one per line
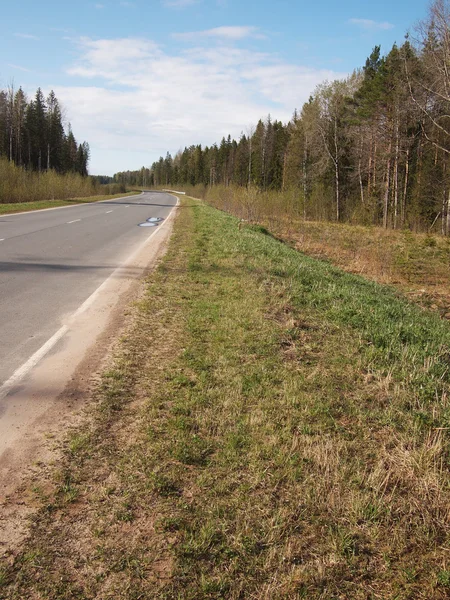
point(19, 185)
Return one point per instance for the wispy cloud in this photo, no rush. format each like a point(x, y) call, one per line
point(18, 67)
point(128, 4)
point(222, 33)
point(99, 6)
point(179, 3)
point(369, 24)
point(27, 36)
point(135, 95)
point(103, 58)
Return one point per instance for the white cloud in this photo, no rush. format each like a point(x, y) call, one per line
point(371, 25)
point(26, 36)
point(144, 101)
point(99, 6)
point(222, 33)
point(18, 67)
point(109, 58)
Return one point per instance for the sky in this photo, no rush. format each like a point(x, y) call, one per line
point(143, 77)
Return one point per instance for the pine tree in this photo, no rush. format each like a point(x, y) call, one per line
point(55, 134)
point(20, 107)
point(3, 123)
point(70, 152)
point(40, 138)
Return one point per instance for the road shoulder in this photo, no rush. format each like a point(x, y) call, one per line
point(41, 408)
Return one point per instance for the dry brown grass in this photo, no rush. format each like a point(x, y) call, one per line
point(416, 263)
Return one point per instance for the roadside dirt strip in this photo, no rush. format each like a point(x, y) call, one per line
point(46, 397)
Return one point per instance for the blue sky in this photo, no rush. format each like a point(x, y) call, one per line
point(137, 78)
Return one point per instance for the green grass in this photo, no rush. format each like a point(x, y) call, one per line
point(17, 207)
point(417, 264)
point(272, 427)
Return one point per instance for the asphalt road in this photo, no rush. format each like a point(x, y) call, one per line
point(52, 261)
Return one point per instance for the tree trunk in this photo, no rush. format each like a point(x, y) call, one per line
point(405, 190)
point(361, 187)
point(336, 171)
point(336, 176)
point(444, 197)
point(448, 214)
point(418, 186)
point(18, 143)
point(305, 175)
point(283, 183)
point(444, 206)
point(397, 144)
point(374, 178)
point(250, 162)
point(387, 188)
point(264, 167)
point(11, 120)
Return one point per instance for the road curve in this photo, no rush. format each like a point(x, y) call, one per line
point(52, 261)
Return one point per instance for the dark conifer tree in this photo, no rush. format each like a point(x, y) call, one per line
point(55, 134)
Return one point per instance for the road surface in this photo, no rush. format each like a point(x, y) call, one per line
point(52, 261)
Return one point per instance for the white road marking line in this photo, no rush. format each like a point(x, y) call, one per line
point(32, 362)
point(127, 206)
point(108, 211)
point(75, 221)
point(20, 373)
point(2, 240)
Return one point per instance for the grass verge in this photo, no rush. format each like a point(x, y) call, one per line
point(272, 427)
point(415, 263)
point(17, 207)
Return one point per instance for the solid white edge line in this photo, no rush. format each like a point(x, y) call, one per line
point(32, 362)
point(109, 211)
point(39, 210)
point(75, 221)
point(22, 371)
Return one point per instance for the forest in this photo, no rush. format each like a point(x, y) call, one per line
point(32, 134)
point(373, 148)
point(39, 159)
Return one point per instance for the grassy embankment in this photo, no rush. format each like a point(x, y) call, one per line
point(416, 263)
point(272, 427)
